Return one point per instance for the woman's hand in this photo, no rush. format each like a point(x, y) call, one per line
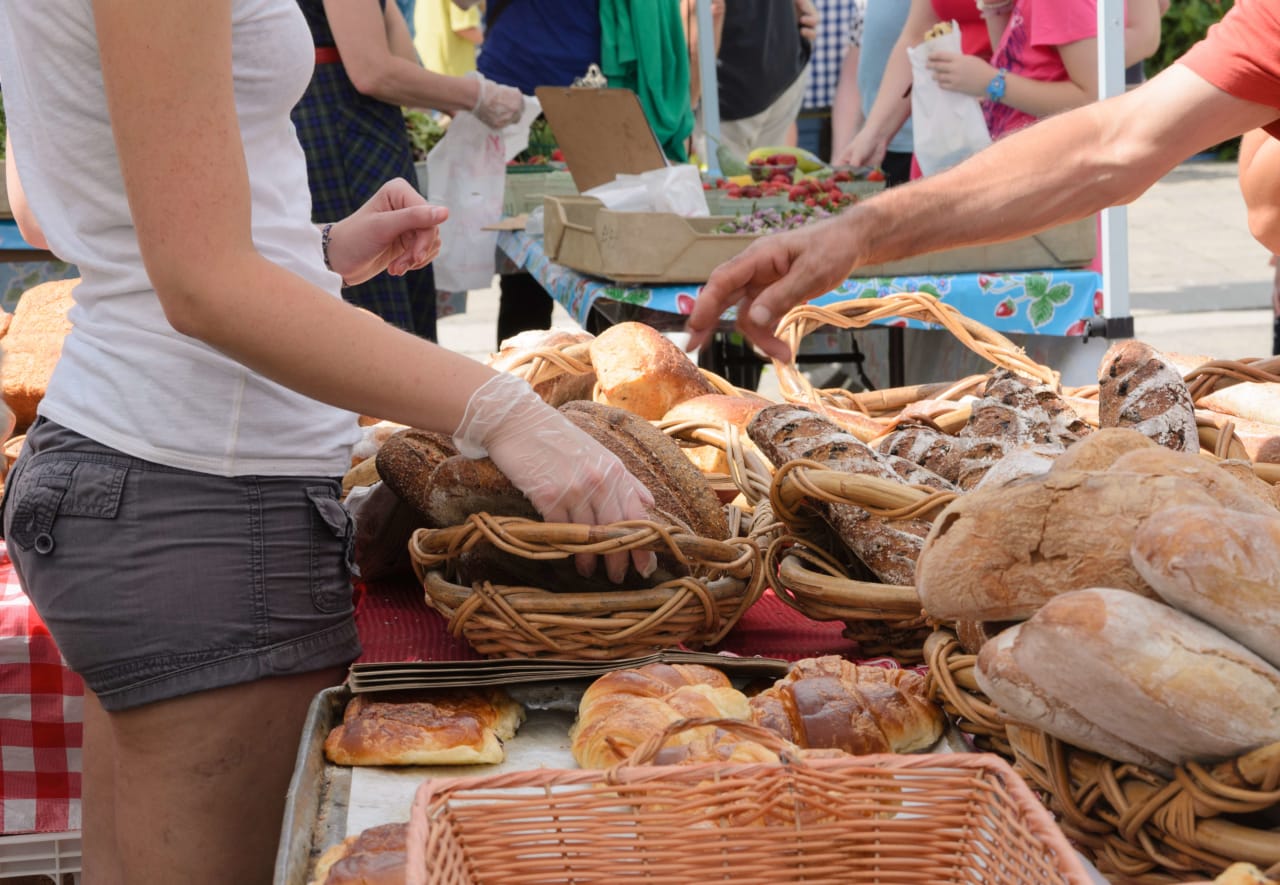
point(396, 231)
point(564, 472)
point(958, 72)
point(866, 149)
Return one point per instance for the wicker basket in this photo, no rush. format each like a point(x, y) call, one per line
point(952, 684)
point(856, 413)
point(1138, 826)
point(1143, 828)
point(945, 818)
point(509, 621)
point(884, 619)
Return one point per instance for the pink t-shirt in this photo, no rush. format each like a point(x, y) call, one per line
point(1029, 48)
point(974, 38)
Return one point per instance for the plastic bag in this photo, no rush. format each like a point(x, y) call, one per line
point(946, 126)
point(467, 172)
point(676, 189)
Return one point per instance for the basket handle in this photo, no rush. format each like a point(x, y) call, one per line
point(647, 751)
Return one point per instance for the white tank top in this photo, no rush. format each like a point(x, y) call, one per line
point(126, 378)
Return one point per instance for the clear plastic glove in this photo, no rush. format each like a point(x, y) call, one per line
point(565, 474)
point(497, 106)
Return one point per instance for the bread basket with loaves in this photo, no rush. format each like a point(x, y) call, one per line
point(1121, 641)
point(831, 819)
point(851, 498)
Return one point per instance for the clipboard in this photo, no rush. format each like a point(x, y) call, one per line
point(602, 132)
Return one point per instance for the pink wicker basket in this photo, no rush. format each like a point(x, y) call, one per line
point(937, 819)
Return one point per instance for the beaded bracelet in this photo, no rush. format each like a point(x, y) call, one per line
point(326, 231)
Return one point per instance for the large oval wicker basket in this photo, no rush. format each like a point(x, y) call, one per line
point(1137, 825)
point(724, 580)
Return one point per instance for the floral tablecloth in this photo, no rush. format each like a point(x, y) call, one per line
point(1046, 302)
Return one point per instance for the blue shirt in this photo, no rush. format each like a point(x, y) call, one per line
point(539, 42)
point(882, 23)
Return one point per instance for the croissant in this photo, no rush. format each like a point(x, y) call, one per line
point(622, 709)
point(831, 703)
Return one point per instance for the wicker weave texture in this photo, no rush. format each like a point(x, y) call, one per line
point(938, 819)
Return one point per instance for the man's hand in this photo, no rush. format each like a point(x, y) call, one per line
point(770, 277)
point(396, 231)
point(958, 72)
point(808, 18)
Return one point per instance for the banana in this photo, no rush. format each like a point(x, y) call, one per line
point(806, 161)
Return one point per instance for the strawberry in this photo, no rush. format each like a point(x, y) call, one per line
point(557, 155)
point(875, 175)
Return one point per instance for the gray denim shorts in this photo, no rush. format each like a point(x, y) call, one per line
point(158, 582)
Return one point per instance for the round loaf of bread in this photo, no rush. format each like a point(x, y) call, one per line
point(406, 461)
point(714, 409)
point(643, 372)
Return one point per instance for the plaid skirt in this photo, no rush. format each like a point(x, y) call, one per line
point(355, 144)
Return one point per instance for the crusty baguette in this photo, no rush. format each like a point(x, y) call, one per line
point(1139, 388)
point(1257, 401)
point(888, 547)
point(1028, 702)
point(998, 554)
point(1151, 675)
point(714, 409)
point(1220, 566)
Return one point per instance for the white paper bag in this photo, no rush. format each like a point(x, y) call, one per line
point(946, 126)
point(467, 172)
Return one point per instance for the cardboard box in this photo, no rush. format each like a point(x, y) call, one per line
point(635, 247)
point(1074, 244)
point(525, 188)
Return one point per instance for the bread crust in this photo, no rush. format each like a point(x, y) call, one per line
point(641, 371)
point(1139, 388)
point(832, 703)
point(562, 388)
point(1220, 566)
point(1026, 701)
point(656, 460)
point(889, 548)
point(1151, 675)
point(406, 461)
point(427, 727)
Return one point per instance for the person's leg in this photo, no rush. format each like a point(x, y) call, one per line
point(99, 847)
point(522, 305)
point(200, 781)
point(774, 121)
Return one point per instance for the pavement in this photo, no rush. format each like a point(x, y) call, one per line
point(1199, 283)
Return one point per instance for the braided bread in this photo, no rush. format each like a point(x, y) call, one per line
point(831, 703)
point(622, 709)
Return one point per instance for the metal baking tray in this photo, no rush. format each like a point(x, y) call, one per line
point(328, 802)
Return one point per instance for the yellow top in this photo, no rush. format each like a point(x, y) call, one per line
point(436, 24)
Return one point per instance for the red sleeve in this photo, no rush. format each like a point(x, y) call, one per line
point(1239, 55)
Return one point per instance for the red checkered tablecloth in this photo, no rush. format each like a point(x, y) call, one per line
point(41, 715)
